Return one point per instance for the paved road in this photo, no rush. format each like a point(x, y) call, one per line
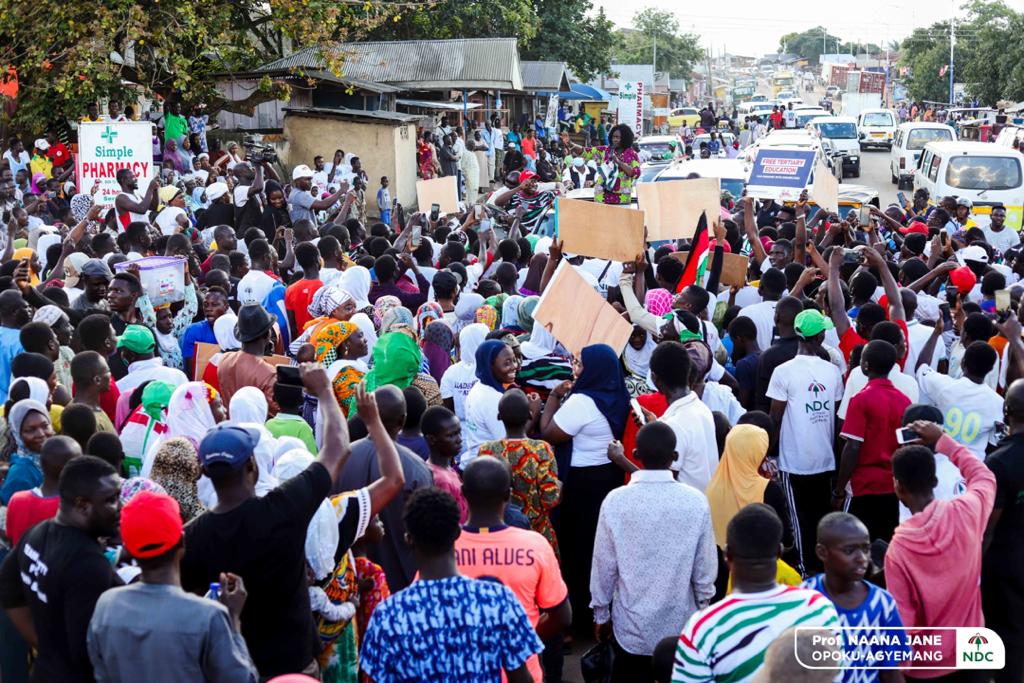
point(874, 172)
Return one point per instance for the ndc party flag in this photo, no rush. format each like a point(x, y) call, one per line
point(697, 260)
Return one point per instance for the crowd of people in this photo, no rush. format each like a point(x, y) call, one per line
point(348, 451)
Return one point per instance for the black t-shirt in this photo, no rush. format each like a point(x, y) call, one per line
point(68, 573)
point(263, 541)
point(1007, 463)
point(772, 357)
point(249, 215)
point(219, 213)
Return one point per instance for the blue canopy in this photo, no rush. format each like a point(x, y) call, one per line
point(580, 91)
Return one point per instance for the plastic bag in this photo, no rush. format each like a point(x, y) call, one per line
point(596, 663)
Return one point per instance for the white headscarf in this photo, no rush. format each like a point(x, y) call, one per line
point(19, 411)
point(356, 281)
point(365, 325)
point(322, 535)
point(510, 311)
point(249, 404)
point(38, 389)
point(188, 416)
point(470, 338)
point(541, 343)
point(224, 331)
point(639, 362)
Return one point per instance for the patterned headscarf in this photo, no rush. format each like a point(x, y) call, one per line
point(80, 205)
point(426, 314)
point(396, 318)
point(49, 314)
point(383, 305)
point(327, 340)
point(438, 342)
point(326, 299)
point(176, 469)
point(658, 301)
point(488, 315)
point(136, 485)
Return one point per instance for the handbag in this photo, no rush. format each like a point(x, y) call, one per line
point(596, 663)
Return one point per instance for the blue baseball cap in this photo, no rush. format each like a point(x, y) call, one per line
point(229, 444)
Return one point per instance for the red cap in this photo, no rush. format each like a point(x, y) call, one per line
point(916, 226)
point(526, 175)
point(766, 242)
point(963, 278)
point(150, 524)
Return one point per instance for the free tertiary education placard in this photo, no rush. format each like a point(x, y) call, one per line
point(780, 174)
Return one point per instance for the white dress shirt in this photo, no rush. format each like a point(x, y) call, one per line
point(696, 445)
point(652, 532)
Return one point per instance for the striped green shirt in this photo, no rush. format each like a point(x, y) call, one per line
point(725, 642)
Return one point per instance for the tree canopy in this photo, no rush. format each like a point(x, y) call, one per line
point(68, 54)
point(677, 52)
point(809, 44)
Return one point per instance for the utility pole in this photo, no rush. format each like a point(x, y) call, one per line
point(824, 33)
point(654, 60)
point(952, 42)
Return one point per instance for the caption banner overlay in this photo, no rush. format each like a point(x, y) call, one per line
point(908, 649)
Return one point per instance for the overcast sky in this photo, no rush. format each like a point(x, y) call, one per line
point(749, 27)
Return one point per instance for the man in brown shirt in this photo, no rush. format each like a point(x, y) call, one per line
point(247, 367)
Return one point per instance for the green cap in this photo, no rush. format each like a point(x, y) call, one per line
point(811, 323)
point(137, 339)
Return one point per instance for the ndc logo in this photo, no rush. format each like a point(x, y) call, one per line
point(979, 648)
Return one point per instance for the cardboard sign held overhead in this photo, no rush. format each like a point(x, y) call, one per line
point(826, 189)
point(734, 267)
point(441, 191)
point(599, 230)
point(672, 209)
point(577, 316)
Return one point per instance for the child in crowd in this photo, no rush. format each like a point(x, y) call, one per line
point(288, 421)
point(384, 201)
point(443, 433)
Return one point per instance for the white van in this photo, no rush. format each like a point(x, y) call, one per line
point(906, 150)
point(876, 128)
point(841, 131)
point(986, 174)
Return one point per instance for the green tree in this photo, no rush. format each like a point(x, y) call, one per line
point(588, 52)
point(68, 54)
point(925, 52)
point(808, 44)
point(448, 19)
point(653, 28)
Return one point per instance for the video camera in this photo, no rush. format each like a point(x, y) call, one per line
point(256, 152)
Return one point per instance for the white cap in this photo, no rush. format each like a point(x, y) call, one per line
point(42, 144)
point(973, 253)
point(216, 191)
point(302, 171)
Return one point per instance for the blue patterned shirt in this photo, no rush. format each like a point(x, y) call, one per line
point(453, 629)
point(878, 609)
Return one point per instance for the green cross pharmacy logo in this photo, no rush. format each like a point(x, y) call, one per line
point(109, 134)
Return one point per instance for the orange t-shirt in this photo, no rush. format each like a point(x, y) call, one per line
point(297, 299)
point(522, 561)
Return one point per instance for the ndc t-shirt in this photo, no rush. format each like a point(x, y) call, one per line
point(970, 410)
point(812, 388)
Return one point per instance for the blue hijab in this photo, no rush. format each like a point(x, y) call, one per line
point(603, 382)
point(485, 355)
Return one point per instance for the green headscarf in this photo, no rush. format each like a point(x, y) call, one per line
point(525, 311)
point(497, 301)
point(155, 399)
point(396, 360)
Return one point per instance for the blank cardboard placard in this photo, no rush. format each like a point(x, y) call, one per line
point(599, 230)
point(734, 268)
point(441, 191)
point(826, 188)
point(577, 316)
point(673, 208)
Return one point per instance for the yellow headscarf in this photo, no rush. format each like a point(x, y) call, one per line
point(27, 253)
point(737, 483)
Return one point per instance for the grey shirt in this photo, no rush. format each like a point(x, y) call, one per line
point(158, 633)
point(299, 202)
point(362, 469)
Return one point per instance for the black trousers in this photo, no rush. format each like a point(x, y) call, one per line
point(810, 498)
point(1002, 599)
point(630, 668)
point(584, 491)
point(879, 512)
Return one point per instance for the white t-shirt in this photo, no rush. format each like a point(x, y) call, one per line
point(745, 297)
point(579, 417)
point(857, 380)
point(918, 336)
point(812, 388)
point(951, 483)
point(970, 411)
point(456, 382)
point(718, 397)
point(956, 370)
point(789, 118)
point(167, 219)
point(482, 423)
point(763, 315)
point(1003, 240)
point(696, 445)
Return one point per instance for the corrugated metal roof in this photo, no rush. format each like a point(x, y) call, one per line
point(343, 112)
point(550, 76)
point(484, 63)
